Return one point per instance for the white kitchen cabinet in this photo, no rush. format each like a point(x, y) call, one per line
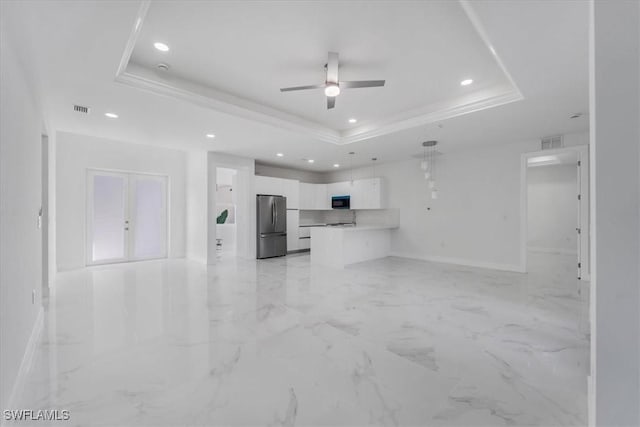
point(365, 193)
point(293, 227)
point(343, 188)
point(320, 197)
point(314, 196)
point(269, 185)
point(291, 190)
point(307, 195)
point(288, 188)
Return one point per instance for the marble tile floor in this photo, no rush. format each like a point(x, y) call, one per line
point(281, 343)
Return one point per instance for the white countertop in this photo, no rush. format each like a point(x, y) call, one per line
point(360, 227)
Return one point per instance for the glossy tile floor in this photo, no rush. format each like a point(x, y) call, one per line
point(280, 343)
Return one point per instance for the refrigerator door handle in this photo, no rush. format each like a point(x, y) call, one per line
point(273, 213)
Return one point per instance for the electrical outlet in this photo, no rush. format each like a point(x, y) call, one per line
point(33, 296)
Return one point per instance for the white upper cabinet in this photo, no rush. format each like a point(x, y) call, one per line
point(307, 195)
point(288, 188)
point(291, 190)
point(320, 198)
point(268, 185)
point(365, 193)
point(339, 189)
point(314, 197)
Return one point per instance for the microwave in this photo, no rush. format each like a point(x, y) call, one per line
point(340, 202)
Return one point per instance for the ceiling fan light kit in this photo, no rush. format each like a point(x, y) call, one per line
point(332, 89)
point(332, 86)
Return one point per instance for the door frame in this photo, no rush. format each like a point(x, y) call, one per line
point(582, 152)
point(128, 199)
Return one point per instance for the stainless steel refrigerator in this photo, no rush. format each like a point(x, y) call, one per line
point(272, 226)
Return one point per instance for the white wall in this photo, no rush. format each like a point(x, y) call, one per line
point(286, 173)
point(76, 154)
point(197, 206)
point(476, 218)
point(615, 146)
point(552, 208)
point(20, 199)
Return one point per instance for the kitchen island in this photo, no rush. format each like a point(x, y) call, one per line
point(343, 245)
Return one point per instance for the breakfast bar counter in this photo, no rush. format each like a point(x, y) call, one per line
point(344, 245)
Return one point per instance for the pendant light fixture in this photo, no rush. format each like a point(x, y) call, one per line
point(351, 153)
point(373, 171)
point(428, 166)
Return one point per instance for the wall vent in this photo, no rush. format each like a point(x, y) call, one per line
point(81, 109)
point(550, 142)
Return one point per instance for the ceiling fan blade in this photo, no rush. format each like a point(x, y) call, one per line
point(331, 102)
point(361, 83)
point(332, 67)
point(289, 89)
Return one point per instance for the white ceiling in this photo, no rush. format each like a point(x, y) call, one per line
point(250, 49)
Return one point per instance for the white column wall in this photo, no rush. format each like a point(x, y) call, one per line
point(615, 146)
point(21, 126)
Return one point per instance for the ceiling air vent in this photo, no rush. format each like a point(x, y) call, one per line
point(81, 109)
point(550, 142)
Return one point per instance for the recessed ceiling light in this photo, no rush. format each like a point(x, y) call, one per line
point(210, 135)
point(161, 47)
point(336, 165)
point(279, 154)
point(466, 82)
point(332, 90)
point(353, 120)
point(111, 115)
point(310, 161)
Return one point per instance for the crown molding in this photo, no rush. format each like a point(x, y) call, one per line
point(223, 102)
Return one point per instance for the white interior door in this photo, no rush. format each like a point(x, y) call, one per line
point(126, 217)
point(106, 217)
point(147, 217)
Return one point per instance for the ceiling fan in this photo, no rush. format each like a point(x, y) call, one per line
point(332, 85)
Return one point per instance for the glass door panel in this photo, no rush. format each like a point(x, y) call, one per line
point(148, 217)
point(107, 217)
point(126, 217)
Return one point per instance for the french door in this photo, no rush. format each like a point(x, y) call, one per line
point(126, 217)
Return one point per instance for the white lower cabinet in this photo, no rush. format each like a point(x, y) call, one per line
point(293, 224)
point(304, 237)
point(305, 243)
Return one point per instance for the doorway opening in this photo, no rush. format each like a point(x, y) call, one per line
point(226, 212)
point(553, 212)
point(555, 209)
point(126, 217)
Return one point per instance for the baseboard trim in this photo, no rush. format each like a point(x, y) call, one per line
point(298, 251)
point(561, 251)
point(27, 360)
point(462, 261)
